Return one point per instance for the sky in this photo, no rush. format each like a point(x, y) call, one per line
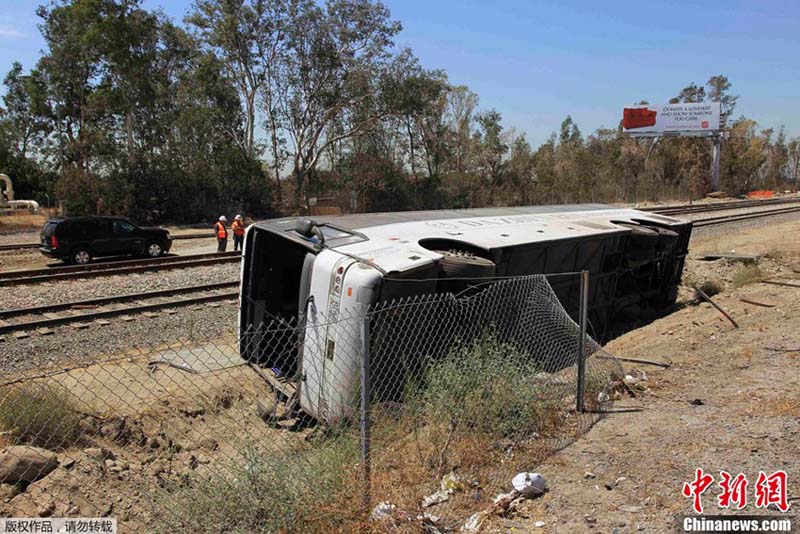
point(537, 62)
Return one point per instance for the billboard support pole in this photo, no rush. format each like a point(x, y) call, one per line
point(715, 164)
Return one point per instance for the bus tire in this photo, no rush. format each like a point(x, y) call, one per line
point(462, 264)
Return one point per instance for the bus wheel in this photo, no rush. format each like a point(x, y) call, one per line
point(462, 264)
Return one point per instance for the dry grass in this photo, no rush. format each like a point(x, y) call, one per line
point(748, 274)
point(485, 412)
point(782, 255)
point(310, 489)
point(783, 407)
point(21, 220)
point(40, 415)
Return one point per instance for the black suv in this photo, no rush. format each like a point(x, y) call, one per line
point(79, 239)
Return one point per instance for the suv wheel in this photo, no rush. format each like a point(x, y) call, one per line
point(154, 250)
point(81, 256)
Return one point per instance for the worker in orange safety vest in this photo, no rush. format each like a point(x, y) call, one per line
point(221, 233)
point(238, 232)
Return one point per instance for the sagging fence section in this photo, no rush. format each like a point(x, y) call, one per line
point(430, 404)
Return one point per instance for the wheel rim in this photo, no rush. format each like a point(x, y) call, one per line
point(82, 257)
point(154, 249)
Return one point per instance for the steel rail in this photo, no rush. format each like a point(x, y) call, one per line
point(35, 310)
point(6, 327)
point(110, 271)
point(99, 266)
point(15, 246)
point(681, 209)
point(711, 221)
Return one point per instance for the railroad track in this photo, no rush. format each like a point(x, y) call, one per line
point(15, 246)
point(116, 267)
point(196, 260)
point(727, 219)
point(83, 312)
point(688, 209)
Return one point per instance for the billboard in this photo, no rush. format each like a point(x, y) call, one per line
point(691, 119)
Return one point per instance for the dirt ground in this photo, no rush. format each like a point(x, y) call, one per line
point(730, 401)
point(147, 426)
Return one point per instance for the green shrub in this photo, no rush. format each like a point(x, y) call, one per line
point(490, 387)
point(40, 415)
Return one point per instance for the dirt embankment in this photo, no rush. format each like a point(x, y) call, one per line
point(730, 401)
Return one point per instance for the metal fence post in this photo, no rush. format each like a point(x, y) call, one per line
point(584, 306)
point(365, 418)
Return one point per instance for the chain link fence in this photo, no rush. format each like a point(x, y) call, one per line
point(429, 405)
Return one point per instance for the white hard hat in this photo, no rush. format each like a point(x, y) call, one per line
point(238, 217)
point(222, 218)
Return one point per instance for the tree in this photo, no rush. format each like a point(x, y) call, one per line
point(521, 170)
point(336, 60)
point(692, 93)
point(743, 155)
point(491, 148)
point(718, 91)
point(24, 107)
point(249, 36)
point(794, 161)
point(145, 121)
point(462, 104)
point(569, 134)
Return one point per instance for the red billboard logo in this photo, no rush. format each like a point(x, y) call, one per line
point(638, 118)
point(705, 124)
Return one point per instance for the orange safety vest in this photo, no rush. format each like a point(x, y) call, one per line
point(222, 232)
point(238, 228)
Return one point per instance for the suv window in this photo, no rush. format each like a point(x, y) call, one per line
point(104, 228)
point(50, 228)
point(82, 229)
point(123, 227)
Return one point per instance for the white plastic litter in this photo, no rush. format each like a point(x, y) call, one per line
point(436, 498)
point(529, 485)
point(382, 511)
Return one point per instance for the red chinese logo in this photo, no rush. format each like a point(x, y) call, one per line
point(772, 490)
point(769, 490)
point(696, 488)
point(733, 490)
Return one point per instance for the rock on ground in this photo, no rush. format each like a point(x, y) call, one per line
point(20, 463)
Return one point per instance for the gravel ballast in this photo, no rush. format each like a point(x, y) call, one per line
point(69, 347)
point(722, 230)
point(57, 292)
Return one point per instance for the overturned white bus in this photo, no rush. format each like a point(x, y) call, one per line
point(343, 265)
